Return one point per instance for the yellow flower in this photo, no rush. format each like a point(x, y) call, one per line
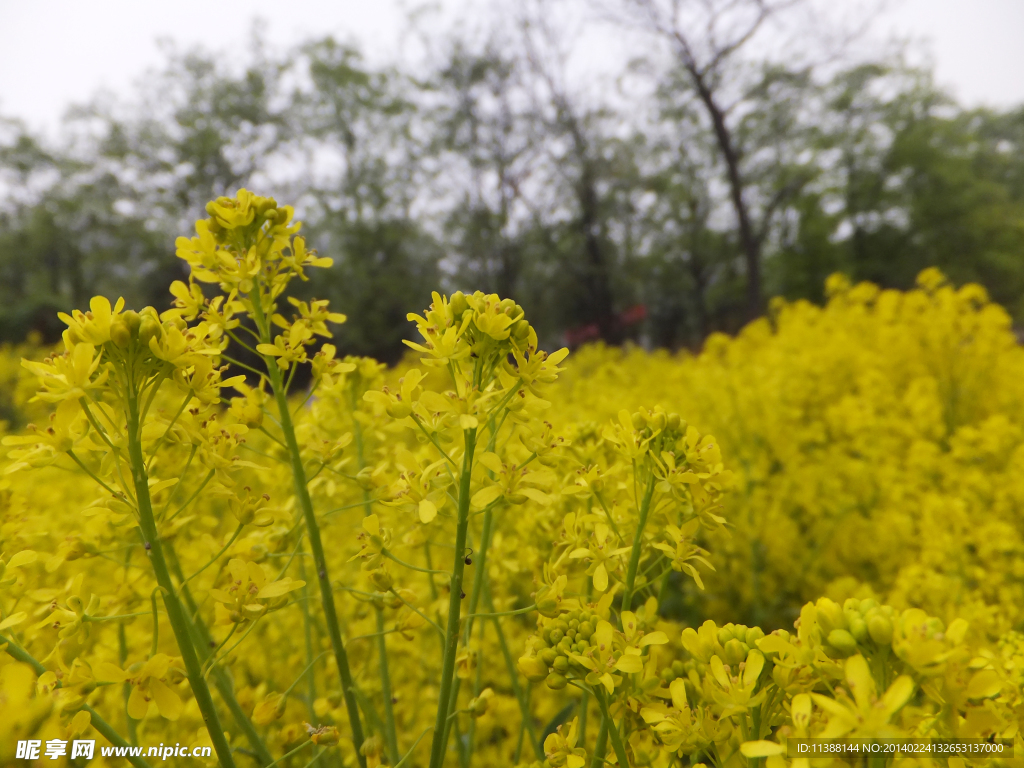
point(149, 684)
point(67, 427)
point(70, 375)
point(249, 594)
point(865, 714)
point(560, 747)
point(233, 213)
point(188, 298)
point(92, 327)
point(289, 347)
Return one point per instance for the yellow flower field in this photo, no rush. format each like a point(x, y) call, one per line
point(497, 556)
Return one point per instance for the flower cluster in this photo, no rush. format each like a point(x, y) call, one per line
point(491, 555)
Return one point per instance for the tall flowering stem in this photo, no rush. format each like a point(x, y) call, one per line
point(475, 339)
point(316, 546)
point(635, 551)
point(248, 247)
point(451, 635)
point(175, 611)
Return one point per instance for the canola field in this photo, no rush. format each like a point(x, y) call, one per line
point(498, 556)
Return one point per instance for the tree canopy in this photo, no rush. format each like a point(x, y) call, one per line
point(659, 205)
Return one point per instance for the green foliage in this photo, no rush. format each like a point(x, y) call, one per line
point(487, 170)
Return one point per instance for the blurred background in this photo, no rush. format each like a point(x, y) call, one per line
point(627, 170)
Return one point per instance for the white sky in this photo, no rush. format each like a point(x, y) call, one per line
point(56, 52)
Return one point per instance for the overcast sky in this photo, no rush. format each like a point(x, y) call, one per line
point(56, 52)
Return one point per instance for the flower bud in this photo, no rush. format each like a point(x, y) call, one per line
point(547, 607)
point(325, 735)
point(752, 636)
point(735, 652)
point(381, 579)
point(533, 669)
point(830, 616)
point(555, 681)
point(133, 320)
point(149, 328)
point(398, 409)
point(842, 641)
point(880, 628)
point(521, 330)
point(270, 709)
point(120, 334)
point(364, 478)
point(478, 705)
point(458, 304)
point(858, 628)
point(866, 606)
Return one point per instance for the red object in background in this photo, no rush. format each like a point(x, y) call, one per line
point(581, 334)
point(633, 315)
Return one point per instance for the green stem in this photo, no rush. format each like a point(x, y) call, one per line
point(613, 732)
point(432, 438)
point(390, 734)
point(214, 559)
point(634, 556)
point(91, 474)
point(122, 645)
point(513, 675)
point(204, 643)
point(313, 532)
point(122, 657)
point(194, 496)
point(390, 556)
point(451, 640)
point(602, 743)
point(307, 623)
point(478, 685)
point(522, 730)
point(584, 706)
point(288, 754)
point(479, 578)
point(156, 625)
point(480, 572)
point(175, 611)
point(412, 749)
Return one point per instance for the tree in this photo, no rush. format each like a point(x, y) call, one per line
point(707, 39)
point(362, 169)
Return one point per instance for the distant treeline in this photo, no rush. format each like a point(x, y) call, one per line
point(669, 204)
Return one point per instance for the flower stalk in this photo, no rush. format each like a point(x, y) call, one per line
point(301, 486)
point(452, 631)
point(175, 611)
